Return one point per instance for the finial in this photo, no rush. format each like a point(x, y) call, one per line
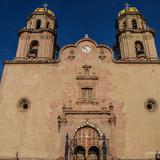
point(86, 36)
point(45, 6)
point(87, 121)
point(127, 5)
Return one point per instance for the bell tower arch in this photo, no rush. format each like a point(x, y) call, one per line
point(134, 39)
point(37, 39)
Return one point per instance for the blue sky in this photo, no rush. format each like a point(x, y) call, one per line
point(75, 18)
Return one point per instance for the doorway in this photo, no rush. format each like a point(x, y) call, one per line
point(87, 139)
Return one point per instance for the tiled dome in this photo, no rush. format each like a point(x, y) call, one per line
point(41, 10)
point(128, 10)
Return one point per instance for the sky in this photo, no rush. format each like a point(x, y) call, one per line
point(74, 18)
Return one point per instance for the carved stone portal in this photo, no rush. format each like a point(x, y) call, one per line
point(87, 144)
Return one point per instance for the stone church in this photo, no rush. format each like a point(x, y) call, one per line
point(91, 103)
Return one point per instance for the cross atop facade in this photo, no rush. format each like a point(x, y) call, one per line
point(127, 5)
point(45, 6)
point(86, 36)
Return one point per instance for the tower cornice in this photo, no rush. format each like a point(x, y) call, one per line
point(41, 13)
point(130, 13)
point(30, 30)
point(136, 31)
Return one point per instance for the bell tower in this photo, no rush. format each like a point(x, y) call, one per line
point(134, 39)
point(37, 39)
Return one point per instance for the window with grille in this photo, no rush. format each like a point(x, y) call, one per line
point(87, 93)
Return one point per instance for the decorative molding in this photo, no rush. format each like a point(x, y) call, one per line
point(83, 77)
point(150, 30)
point(25, 60)
point(132, 60)
point(87, 75)
point(70, 111)
point(109, 114)
point(31, 30)
point(91, 101)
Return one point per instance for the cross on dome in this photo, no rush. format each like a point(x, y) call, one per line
point(45, 6)
point(127, 5)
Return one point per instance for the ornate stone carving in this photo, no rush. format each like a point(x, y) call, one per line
point(107, 115)
point(59, 119)
point(71, 55)
point(112, 118)
point(104, 147)
point(87, 74)
point(102, 56)
point(67, 148)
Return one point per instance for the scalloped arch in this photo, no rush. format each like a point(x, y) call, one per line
point(88, 124)
point(82, 40)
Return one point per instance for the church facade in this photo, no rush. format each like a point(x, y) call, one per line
point(85, 105)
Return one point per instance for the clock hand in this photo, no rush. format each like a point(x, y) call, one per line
point(85, 48)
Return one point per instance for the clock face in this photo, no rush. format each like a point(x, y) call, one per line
point(86, 49)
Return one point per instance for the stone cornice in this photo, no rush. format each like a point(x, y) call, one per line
point(30, 61)
point(41, 13)
point(70, 110)
point(131, 13)
point(49, 61)
point(89, 77)
point(136, 31)
point(137, 61)
point(20, 158)
point(87, 112)
point(30, 30)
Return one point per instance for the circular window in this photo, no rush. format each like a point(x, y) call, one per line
point(151, 105)
point(23, 104)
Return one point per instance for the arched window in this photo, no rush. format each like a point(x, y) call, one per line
point(48, 24)
point(124, 25)
point(80, 153)
point(134, 24)
point(38, 24)
point(139, 48)
point(33, 49)
point(93, 153)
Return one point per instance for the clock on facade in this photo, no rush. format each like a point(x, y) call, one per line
point(86, 49)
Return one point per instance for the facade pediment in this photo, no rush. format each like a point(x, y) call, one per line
point(86, 49)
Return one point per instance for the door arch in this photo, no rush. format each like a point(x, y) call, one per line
point(88, 138)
